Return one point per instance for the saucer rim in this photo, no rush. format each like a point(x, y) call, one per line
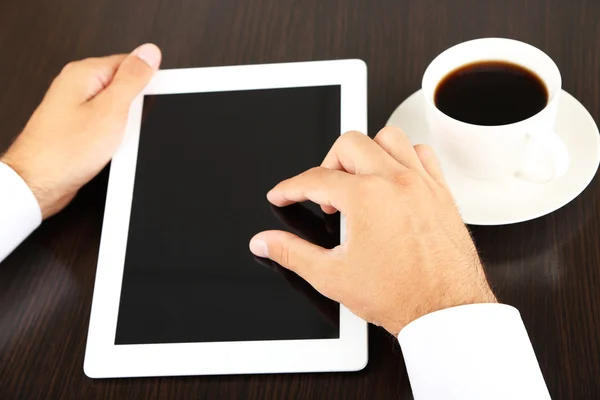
point(575, 192)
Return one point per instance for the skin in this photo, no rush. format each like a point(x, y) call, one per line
point(78, 126)
point(407, 252)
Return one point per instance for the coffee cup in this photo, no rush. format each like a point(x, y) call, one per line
point(475, 124)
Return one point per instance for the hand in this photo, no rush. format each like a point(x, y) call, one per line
point(79, 125)
point(407, 252)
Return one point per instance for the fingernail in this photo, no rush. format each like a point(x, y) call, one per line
point(271, 195)
point(148, 53)
point(259, 248)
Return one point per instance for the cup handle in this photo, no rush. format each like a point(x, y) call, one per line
point(544, 158)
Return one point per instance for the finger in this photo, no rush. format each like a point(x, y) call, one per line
point(357, 154)
point(132, 76)
point(291, 252)
point(328, 210)
point(395, 142)
point(79, 81)
point(319, 185)
point(430, 162)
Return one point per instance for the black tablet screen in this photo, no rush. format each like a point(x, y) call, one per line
point(204, 165)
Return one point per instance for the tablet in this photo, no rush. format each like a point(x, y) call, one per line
point(177, 291)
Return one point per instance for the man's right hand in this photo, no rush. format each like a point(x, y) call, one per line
point(407, 252)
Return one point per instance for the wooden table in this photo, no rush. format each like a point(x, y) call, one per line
point(548, 268)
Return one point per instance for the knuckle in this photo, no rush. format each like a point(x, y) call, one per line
point(78, 66)
point(388, 132)
point(353, 134)
point(284, 257)
point(315, 170)
point(341, 141)
point(348, 139)
point(406, 178)
point(312, 173)
point(70, 66)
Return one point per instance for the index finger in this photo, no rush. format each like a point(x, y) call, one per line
point(320, 185)
point(358, 154)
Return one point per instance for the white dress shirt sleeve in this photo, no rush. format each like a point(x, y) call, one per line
point(477, 351)
point(20, 212)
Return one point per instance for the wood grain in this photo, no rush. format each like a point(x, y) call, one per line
point(549, 268)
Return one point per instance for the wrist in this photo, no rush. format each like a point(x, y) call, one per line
point(472, 290)
point(478, 293)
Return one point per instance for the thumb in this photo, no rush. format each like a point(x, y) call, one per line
point(133, 75)
point(291, 252)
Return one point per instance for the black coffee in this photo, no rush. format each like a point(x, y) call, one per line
point(491, 93)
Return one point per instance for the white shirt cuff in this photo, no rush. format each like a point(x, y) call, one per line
point(477, 351)
point(20, 213)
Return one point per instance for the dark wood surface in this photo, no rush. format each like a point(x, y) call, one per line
point(549, 268)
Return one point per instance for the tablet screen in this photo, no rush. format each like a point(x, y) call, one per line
point(205, 163)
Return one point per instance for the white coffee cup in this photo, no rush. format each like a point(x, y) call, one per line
point(528, 149)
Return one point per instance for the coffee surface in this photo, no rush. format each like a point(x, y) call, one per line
point(491, 93)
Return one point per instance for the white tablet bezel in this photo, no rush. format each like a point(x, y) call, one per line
point(104, 359)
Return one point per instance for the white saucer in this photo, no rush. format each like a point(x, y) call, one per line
point(484, 202)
